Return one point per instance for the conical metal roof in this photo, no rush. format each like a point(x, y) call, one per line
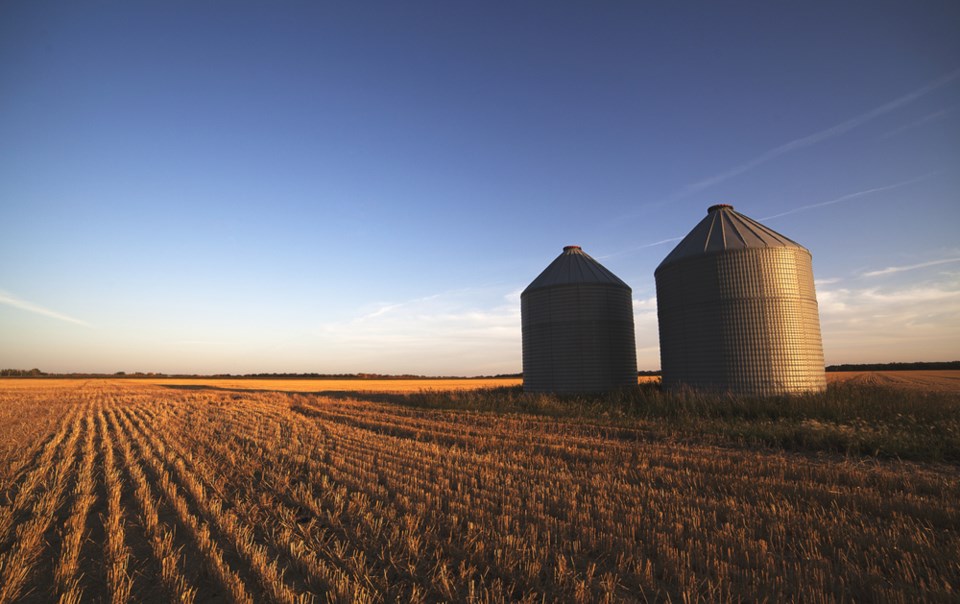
point(723, 229)
point(574, 266)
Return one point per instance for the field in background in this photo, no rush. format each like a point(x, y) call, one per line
point(925, 381)
point(355, 385)
point(948, 381)
point(125, 490)
point(335, 385)
point(942, 381)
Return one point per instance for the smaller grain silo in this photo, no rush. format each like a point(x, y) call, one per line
point(577, 320)
point(738, 311)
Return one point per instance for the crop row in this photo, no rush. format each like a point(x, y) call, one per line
point(132, 492)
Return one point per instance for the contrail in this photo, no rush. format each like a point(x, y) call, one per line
point(900, 269)
point(639, 247)
point(9, 300)
point(851, 196)
point(930, 117)
point(788, 212)
point(823, 135)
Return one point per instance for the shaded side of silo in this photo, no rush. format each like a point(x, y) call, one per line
point(578, 334)
point(738, 311)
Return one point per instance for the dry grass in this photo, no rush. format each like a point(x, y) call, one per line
point(128, 491)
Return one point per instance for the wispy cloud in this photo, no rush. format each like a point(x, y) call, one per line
point(805, 208)
point(460, 332)
point(930, 117)
point(11, 300)
point(817, 137)
point(638, 248)
point(647, 332)
point(916, 321)
point(850, 196)
point(830, 281)
point(899, 269)
point(904, 306)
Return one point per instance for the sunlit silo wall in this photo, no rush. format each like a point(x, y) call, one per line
point(577, 320)
point(738, 311)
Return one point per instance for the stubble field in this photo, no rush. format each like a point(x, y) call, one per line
point(923, 381)
point(134, 491)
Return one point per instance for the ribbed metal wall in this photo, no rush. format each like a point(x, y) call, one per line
point(743, 319)
point(578, 335)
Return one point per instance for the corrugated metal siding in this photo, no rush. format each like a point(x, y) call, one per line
point(744, 321)
point(578, 338)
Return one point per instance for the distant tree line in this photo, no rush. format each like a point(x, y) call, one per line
point(37, 373)
point(915, 366)
point(252, 376)
point(331, 376)
point(21, 373)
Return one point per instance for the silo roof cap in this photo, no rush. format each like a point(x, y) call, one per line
point(724, 229)
point(575, 267)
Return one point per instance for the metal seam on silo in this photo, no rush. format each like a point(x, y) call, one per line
point(706, 243)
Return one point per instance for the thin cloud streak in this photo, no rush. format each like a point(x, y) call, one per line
point(11, 300)
point(931, 117)
point(916, 320)
point(638, 248)
point(899, 269)
point(852, 196)
point(479, 328)
point(823, 135)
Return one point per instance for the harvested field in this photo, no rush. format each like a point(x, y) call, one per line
point(926, 381)
point(340, 385)
point(122, 491)
point(941, 381)
point(326, 385)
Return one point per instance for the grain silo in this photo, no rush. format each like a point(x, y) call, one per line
point(577, 322)
point(738, 310)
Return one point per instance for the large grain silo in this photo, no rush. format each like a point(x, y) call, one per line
point(577, 322)
point(738, 310)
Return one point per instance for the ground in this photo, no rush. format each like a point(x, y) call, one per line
point(140, 490)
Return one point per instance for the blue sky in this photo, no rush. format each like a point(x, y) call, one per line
point(367, 187)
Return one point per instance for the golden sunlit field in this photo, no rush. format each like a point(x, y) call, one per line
point(344, 385)
point(925, 381)
point(252, 491)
